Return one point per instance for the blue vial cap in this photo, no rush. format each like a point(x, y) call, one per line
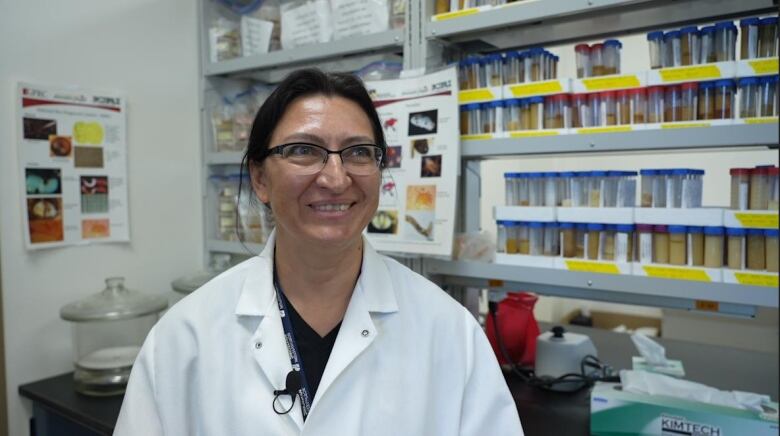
point(568, 174)
point(735, 231)
point(665, 172)
point(651, 36)
point(566, 225)
point(610, 227)
point(536, 225)
point(551, 224)
point(680, 171)
point(648, 172)
point(495, 57)
point(708, 29)
point(582, 226)
point(472, 106)
point(536, 51)
point(707, 84)
point(535, 175)
point(551, 174)
point(535, 100)
point(672, 34)
point(510, 175)
point(753, 21)
point(614, 173)
point(689, 29)
point(724, 25)
point(513, 55)
point(495, 104)
point(755, 232)
point(556, 58)
point(613, 43)
point(770, 79)
point(598, 174)
point(506, 223)
point(512, 102)
point(713, 231)
point(629, 173)
point(769, 20)
point(725, 82)
point(695, 229)
point(696, 172)
point(677, 229)
point(592, 227)
point(748, 81)
point(772, 233)
point(522, 175)
point(625, 228)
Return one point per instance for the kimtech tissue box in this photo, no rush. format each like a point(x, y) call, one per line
point(614, 412)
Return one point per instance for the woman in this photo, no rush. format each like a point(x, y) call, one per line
point(381, 350)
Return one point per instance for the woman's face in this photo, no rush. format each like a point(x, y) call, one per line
point(331, 206)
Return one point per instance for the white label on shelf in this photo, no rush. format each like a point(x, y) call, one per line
point(359, 17)
point(255, 36)
point(305, 23)
point(646, 248)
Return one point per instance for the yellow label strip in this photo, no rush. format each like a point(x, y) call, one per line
point(662, 272)
point(683, 125)
point(765, 66)
point(539, 88)
point(700, 72)
point(757, 220)
point(762, 120)
point(592, 267)
point(533, 133)
point(609, 129)
point(455, 14)
point(611, 82)
point(752, 279)
point(476, 137)
point(472, 95)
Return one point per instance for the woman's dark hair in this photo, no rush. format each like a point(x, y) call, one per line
point(302, 83)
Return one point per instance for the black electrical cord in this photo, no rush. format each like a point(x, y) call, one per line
point(602, 371)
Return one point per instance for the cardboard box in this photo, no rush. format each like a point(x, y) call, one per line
point(614, 412)
point(610, 320)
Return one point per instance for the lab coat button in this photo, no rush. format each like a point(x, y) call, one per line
point(258, 345)
point(364, 333)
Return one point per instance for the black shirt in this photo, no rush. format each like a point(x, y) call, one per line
point(313, 349)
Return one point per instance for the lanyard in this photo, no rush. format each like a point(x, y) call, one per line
point(292, 348)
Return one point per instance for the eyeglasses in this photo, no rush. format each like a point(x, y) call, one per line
point(359, 160)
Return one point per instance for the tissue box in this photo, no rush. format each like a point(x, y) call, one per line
point(614, 412)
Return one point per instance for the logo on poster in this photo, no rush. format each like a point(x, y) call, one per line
point(446, 84)
point(105, 100)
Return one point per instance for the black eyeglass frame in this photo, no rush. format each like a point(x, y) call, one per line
point(279, 149)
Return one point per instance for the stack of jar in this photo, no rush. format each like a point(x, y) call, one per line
point(752, 249)
point(528, 237)
point(758, 96)
point(758, 37)
point(571, 189)
point(595, 241)
point(691, 45)
point(680, 245)
point(513, 67)
point(754, 188)
point(671, 187)
point(444, 6)
point(600, 59)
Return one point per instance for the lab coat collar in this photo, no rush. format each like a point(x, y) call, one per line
point(258, 295)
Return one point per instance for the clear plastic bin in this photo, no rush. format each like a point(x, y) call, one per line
point(767, 34)
point(773, 197)
point(645, 243)
point(536, 238)
point(597, 59)
point(512, 114)
point(689, 99)
point(724, 99)
point(692, 187)
point(755, 258)
point(768, 96)
point(771, 236)
point(624, 243)
point(725, 41)
point(648, 180)
point(709, 52)
point(551, 239)
point(536, 189)
point(678, 242)
point(568, 240)
point(655, 104)
point(593, 241)
point(556, 112)
point(740, 188)
point(638, 98)
point(759, 197)
point(672, 49)
point(660, 244)
point(607, 243)
point(706, 101)
point(689, 45)
point(611, 56)
point(748, 97)
point(567, 182)
point(713, 247)
point(536, 112)
point(582, 116)
point(514, 68)
point(748, 48)
point(582, 55)
point(551, 188)
point(735, 248)
point(655, 42)
point(695, 246)
point(673, 104)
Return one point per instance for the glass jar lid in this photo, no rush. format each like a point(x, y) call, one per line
point(113, 303)
point(189, 283)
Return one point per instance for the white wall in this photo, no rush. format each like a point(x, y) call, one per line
point(148, 50)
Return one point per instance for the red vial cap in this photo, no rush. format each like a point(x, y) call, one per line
point(740, 171)
point(651, 89)
point(606, 94)
point(635, 91)
point(759, 171)
point(690, 85)
point(582, 48)
point(661, 229)
point(558, 97)
point(774, 171)
point(644, 228)
point(598, 46)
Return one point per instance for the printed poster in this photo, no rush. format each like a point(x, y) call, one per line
point(419, 187)
point(73, 163)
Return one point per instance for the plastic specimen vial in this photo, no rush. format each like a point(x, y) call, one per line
point(554, 71)
point(582, 57)
point(648, 177)
point(713, 247)
point(660, 244)
point(638, 102)
point(626, 189)
point(655, 104)
point(768, 96)
point(695, 246)
point(756, 250)
point(645, 243)
point(611, 56)
point(624, 243)
point(522, 237)
point(579, 188)
point(536, 113)
point(771, 249)
point(464, 120)
point(689, 98)
point(474, 115)
point(759, 198)
point(551, 182)
point(582, 115)
point(660, 187)
point(708, 51)
point(607, 242)
point(735, 247)
point(502, 237)
point(706, 101)
point(689, 45)
point(595, 181)
point(672, 49)
point(596, 109)
point(536, 238)
point(536, 56)
point(593, 240)
point(556, 111)
point(692, 187)
point(597, 59)
point(494, 69)
point(674, 187)
point(725, 41)
point(568, 239)
point(773, 197)
point(724, 99)
point(551, 239)
point(566, 193)
point(471, 69)
point(767, 34)
point(678, 245)
point(482, 72)
point(673, 103)
point(512, 114)
point(655, 42)
point(609, 108)
point(623, 107)
point(513, 68)
point(748, 97)
point(581, 231)
point(536, 189)
point(522, 183)
point(740, 188)
point(491, 116)
point(510, 194)
point(609, 189)
point(525, 114)
point(748, 29)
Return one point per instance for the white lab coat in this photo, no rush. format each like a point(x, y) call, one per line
point(408, 360)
